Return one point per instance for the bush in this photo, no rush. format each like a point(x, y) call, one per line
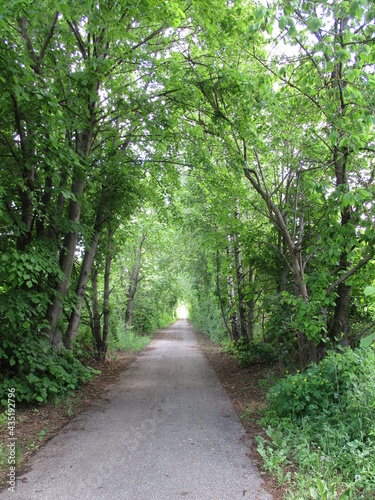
point(336, 381)
point(206, 316)
point(37, 372)
point(326, 419)
point(247, 351)
point(128, 340)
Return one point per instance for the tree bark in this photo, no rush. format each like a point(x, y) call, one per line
point(66, 263)
point(307, 349)
point(240, 295)
point(83, 144)
point(134, 280)
point(250, 308)
point(219, 294)
point(106, 309)
point(96, 329)
point(232, 304)
point(88, 259)
point(340, 328)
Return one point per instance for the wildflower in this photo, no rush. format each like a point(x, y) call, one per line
point(357, 477)
point(305, 379)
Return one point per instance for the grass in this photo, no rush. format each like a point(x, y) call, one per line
point(129, 341)
point(325, 438)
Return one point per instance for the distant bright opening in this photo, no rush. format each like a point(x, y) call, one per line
point(182, 312)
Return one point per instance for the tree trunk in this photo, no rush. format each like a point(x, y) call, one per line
point(66, 263)
point(232, 304)
point(240, 295)
point(134, 280)
point(88, 259)
point(340, 328)
point(250, 308)
point(106, 310)
point(219, 295)
point(307, 349)
point(70, 240)
point(96, 333)
point(281, 286)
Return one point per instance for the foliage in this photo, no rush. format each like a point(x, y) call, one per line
point(334, 382)
point(249, 351)
point(325, 423)
point(127, 340)
point(239, 138)
point(23, 300)
point(37, 371)
point(205, 316)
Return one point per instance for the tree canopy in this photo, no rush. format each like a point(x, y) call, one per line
point(216, 155)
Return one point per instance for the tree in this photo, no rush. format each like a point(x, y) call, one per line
point(133, 282)
point(234, 96)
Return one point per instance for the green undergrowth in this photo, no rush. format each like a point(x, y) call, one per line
point(249, 351)
point(321, 423)
point(37, 372)
point(206, 317)
point(127, 339)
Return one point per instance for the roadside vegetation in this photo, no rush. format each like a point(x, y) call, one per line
point(37, 422)
point(213, 154)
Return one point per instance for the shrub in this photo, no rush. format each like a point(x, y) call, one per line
point(37, 371)
point(126, 339)
point(326, 416)
point(335, 381)
point(247, 351)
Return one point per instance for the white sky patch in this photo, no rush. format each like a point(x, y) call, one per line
point(182, 312)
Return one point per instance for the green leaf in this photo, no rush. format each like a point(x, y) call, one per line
point(314, 23)
point(343, 143)
point(367, 341)
point(283, 22)
point(369, 290)
point(260, 12)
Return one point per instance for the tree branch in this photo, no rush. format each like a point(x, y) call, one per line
point(349, 273)
point(48, 39)
point(149, 37)
point(22, 23)
point(73, 26)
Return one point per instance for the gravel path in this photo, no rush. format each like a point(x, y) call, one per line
point(166, 431)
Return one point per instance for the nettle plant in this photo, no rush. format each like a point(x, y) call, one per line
point(38, 372)
point(341, 380)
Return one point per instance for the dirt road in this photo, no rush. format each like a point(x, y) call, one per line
point(166, 431)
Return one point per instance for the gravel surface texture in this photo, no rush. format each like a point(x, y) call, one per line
point(167, 430)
